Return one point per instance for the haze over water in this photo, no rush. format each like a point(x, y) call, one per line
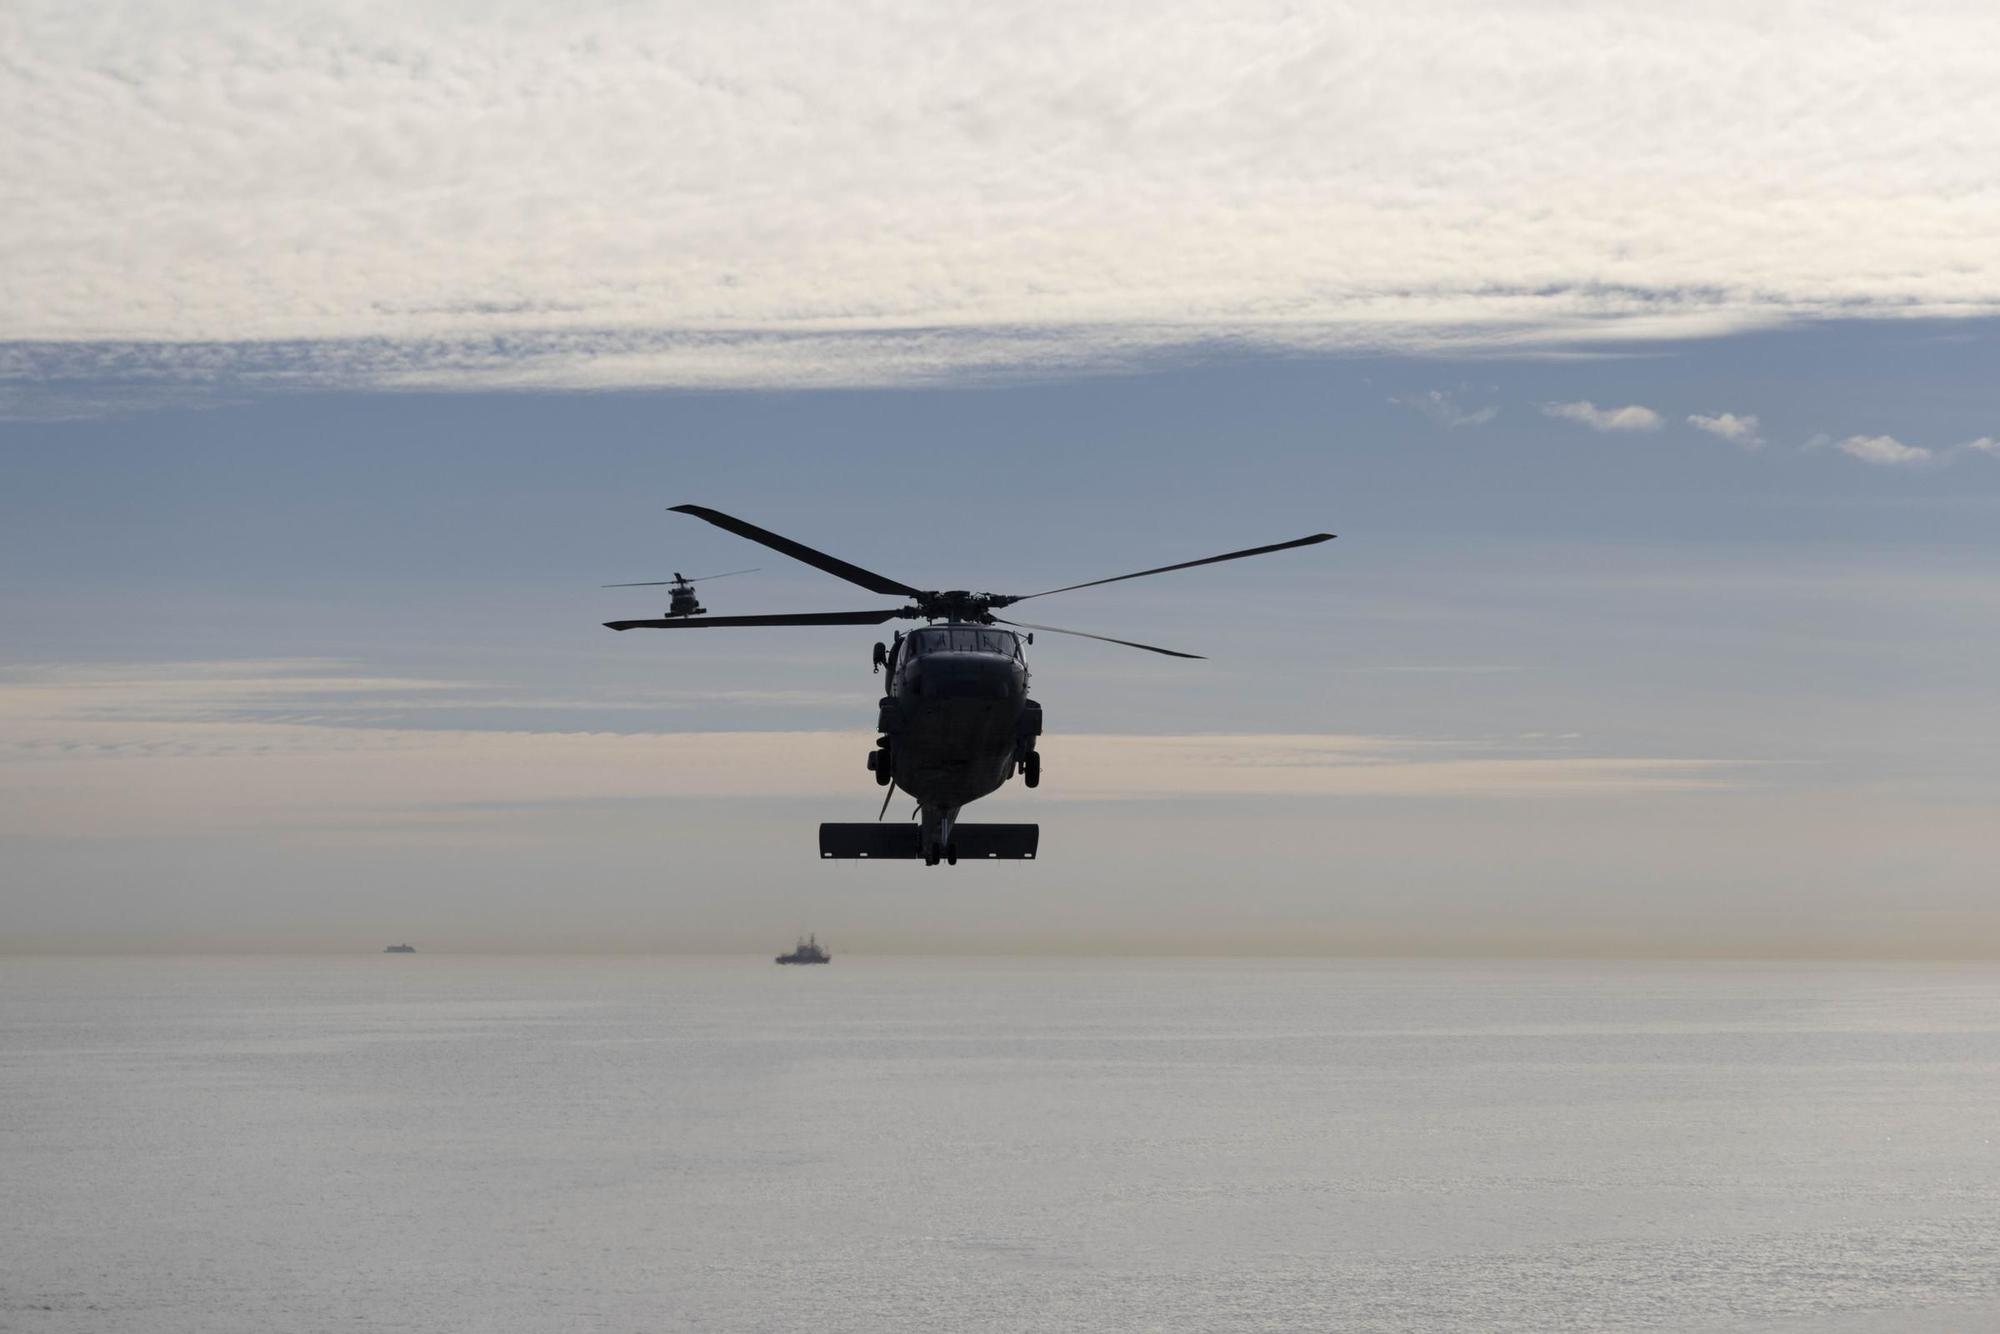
point(461, 1143)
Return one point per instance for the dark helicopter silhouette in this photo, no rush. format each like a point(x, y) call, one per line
point(680, 600)
point(956, 722)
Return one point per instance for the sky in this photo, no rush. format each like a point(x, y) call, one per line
point(1642, 360)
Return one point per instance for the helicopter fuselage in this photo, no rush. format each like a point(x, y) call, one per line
point(956, 722)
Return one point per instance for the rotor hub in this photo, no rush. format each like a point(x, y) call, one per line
point(959, 604)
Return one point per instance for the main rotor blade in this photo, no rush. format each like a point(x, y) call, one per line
point(833, 565)
point(1081, 634)
point(782, 618)
point(698, 579)
point(1184, 565)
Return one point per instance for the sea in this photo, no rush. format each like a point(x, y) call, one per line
point(436, 1143)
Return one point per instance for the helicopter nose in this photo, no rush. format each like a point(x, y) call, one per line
point(967, 676)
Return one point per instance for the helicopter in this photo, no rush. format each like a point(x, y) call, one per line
point(680, 596)
point(956, 722)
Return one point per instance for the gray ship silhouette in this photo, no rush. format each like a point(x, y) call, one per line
point(807, 951)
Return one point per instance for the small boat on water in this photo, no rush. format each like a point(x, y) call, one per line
point(401, 949)
point(807, 951)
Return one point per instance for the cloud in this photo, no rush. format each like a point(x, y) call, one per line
point(155, 750)
point(1444, 409)
point(1631, 417)
point(1742, 430)
point(180, 778)
point(1886, 450)
point(328, 693)
point(603, 193)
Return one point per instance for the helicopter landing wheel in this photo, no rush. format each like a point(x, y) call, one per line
point(951, 854)
point(1031, 769)
point(879, 765)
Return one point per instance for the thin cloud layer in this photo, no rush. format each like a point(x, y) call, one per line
point(610, 194)
point(1741, 430)
point(180, 778)
point(1631, 417)
point(1445, 409)
point(1886, 450)
point(188, 748)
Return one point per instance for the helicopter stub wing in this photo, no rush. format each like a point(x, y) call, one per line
point(905, 842)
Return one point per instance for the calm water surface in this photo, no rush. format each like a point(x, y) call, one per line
point(431, 1143)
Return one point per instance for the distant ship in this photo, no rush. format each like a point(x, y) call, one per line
point(401, 949)
point(807, 951)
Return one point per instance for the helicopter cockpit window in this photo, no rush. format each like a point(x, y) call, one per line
point(961, 639)
point(969, 639)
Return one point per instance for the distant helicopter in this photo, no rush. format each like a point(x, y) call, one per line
point(680, 600)
point(956, 722)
